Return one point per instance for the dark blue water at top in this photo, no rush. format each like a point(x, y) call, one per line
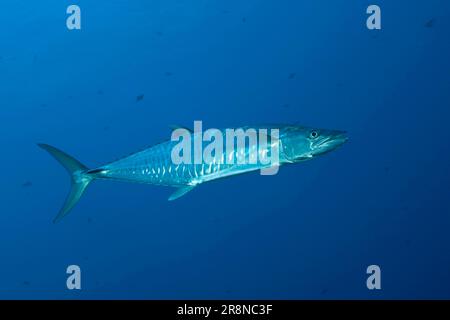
point(310, 231)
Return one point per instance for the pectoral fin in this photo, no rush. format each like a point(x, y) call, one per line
point(181, 191)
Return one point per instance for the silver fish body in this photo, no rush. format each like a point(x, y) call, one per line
point(155, 164)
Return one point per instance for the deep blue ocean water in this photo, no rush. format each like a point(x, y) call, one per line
point(308, 232)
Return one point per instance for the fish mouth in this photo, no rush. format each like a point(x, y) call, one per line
point(339, 138)
point(331, 142)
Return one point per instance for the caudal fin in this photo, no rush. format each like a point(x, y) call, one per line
point(79, 178)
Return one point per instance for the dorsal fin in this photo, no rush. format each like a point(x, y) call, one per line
point(176, 126)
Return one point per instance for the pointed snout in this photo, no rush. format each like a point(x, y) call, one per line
point(339, 137)
point(331, 140)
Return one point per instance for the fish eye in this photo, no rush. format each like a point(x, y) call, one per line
point(314, 134)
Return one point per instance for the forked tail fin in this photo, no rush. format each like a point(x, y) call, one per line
point(79, 178)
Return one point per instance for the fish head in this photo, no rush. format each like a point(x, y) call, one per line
point(303, 143)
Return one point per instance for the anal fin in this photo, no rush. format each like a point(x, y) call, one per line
point(181, 191)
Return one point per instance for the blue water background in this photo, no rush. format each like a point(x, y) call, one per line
point(309, 231)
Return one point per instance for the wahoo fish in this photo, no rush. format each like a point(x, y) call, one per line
point(155, 165)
